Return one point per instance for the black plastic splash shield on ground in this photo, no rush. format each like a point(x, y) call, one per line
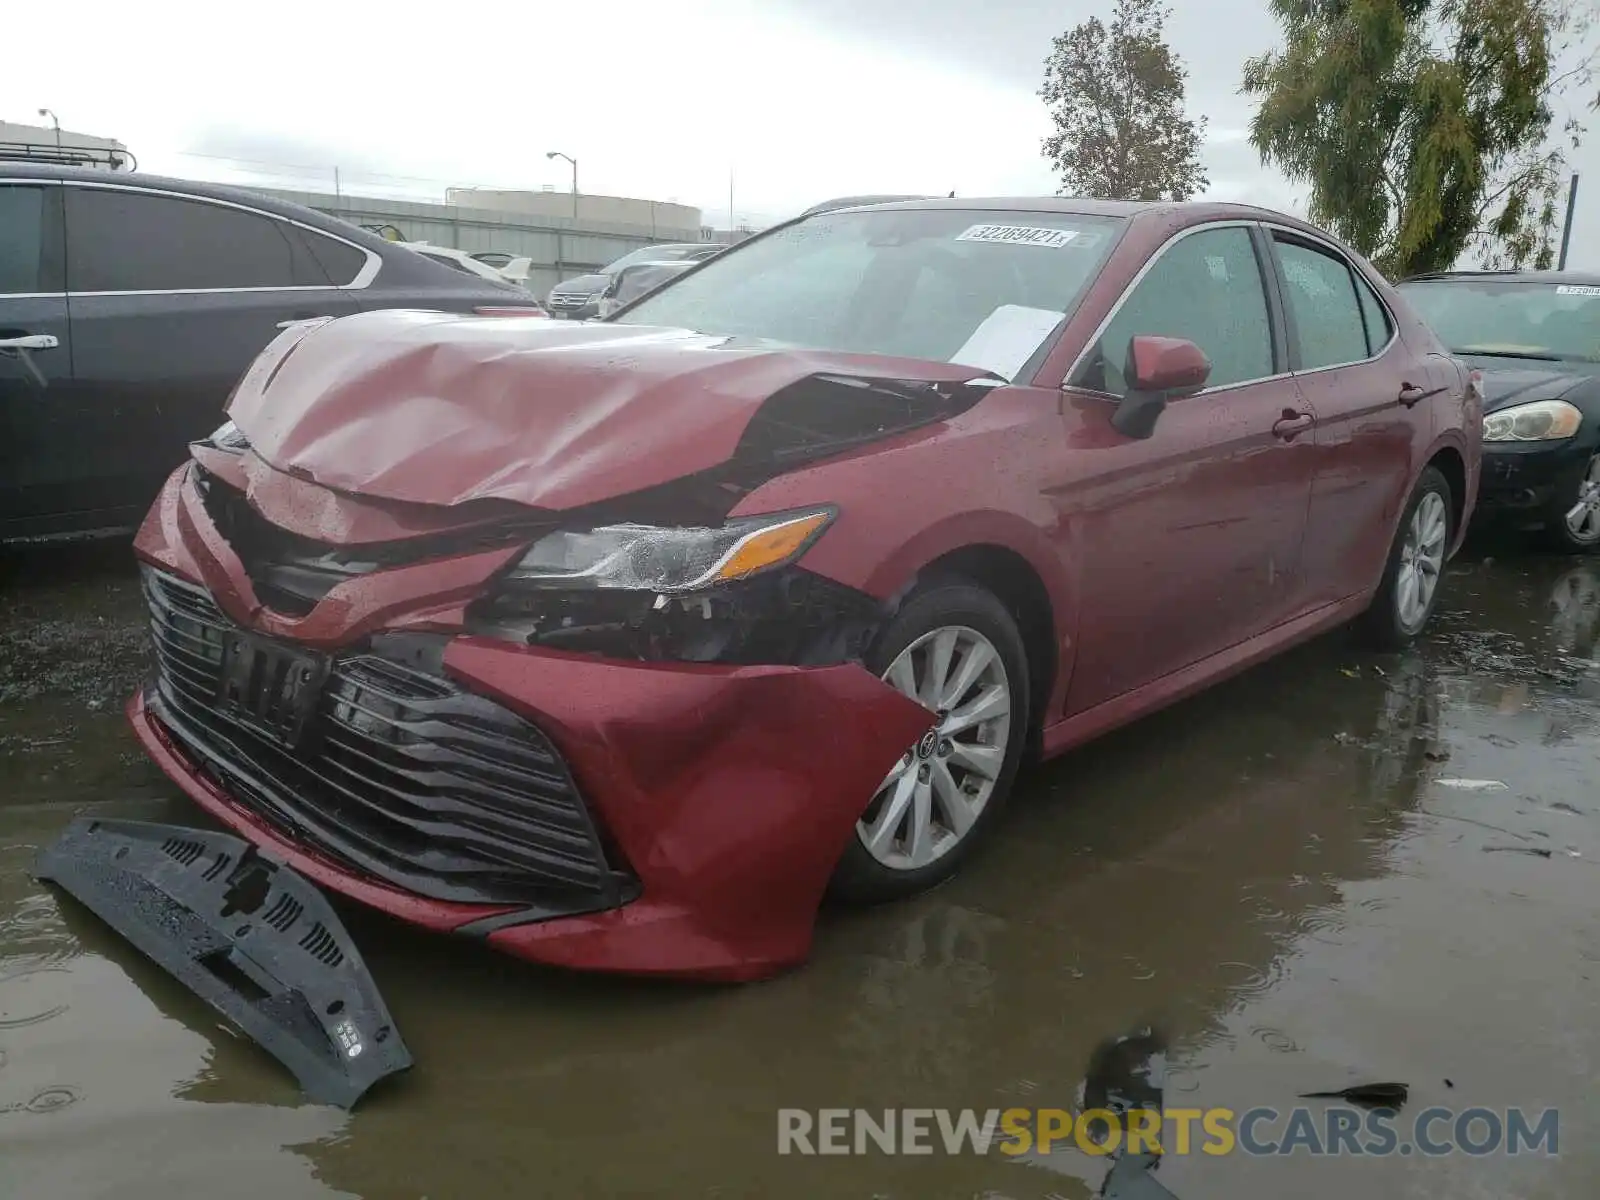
point(248, 935)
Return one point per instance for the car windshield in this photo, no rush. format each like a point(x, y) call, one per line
point(1558, 322)
point(979, 288)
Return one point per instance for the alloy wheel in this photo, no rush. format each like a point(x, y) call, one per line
point(934, 795)
point(1583, 518)
point(1421, 561)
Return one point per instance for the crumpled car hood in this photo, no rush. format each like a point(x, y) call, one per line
point(434, 408)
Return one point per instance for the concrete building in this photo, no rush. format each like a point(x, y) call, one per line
point(41, 143)
point(608, 210)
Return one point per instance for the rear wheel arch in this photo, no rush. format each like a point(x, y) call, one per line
point(1447, 460)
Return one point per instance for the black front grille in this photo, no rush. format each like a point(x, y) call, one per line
point(401, 774)
point(569, 301)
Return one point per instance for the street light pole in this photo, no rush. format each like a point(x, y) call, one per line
point(1566, 225)
point(574, 162)
point(54, 120)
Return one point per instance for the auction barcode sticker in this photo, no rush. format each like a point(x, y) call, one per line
point(1572, 289)
point(1018, 235)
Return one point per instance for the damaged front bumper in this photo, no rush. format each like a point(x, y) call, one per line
point(721, 800)
point(645, 817)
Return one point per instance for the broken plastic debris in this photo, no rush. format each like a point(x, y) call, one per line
point(1131, 1178)
point(1474, 785)
point(1372, 1095)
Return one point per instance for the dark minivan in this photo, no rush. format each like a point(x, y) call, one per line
point(130, 305)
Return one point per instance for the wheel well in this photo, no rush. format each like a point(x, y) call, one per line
point(1454, 470)
point(1017, 585)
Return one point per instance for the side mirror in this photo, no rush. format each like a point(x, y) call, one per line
point(1158, 369)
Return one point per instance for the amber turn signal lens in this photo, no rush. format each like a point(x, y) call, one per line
point(769, 547)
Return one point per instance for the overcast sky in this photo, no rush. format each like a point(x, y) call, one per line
point(797, 99)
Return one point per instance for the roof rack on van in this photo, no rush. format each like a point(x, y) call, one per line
point(68, 156)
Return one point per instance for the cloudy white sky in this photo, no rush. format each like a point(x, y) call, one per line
point(797, 100)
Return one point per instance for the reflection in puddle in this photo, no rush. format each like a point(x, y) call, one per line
point(1270, 875)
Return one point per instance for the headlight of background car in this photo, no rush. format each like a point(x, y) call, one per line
point(647, 558)
point(229, 437)
point(1541, 421)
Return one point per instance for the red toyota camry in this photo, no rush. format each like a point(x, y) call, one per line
point(619, 644)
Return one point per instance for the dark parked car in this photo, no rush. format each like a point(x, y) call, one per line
point(1535, 336)
point(640, 279)
point(580, 298)
point(130, 305)
point(618, 644)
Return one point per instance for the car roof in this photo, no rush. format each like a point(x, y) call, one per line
point(1580, 278)
point(1187, 212)
point(351, 232)
point(1084, 206)
point(859, 202)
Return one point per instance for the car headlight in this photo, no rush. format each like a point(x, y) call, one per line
point(649, 558)
point(596, 297)
point(229, 436)
point(1540, 421)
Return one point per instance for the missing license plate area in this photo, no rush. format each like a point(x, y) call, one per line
point(270, 686)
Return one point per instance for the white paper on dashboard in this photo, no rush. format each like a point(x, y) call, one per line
point(1007, 339)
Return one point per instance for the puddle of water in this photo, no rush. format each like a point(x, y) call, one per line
point(1272, 875)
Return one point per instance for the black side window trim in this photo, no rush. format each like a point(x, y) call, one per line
point(52, 278)
point(1283, 343)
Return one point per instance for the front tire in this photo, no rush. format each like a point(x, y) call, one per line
point(1573, 526)
point(1410, 586)
point(955, 648)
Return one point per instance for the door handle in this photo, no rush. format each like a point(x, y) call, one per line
point(30, 341)
point(1292, 424)
point(1411, 394)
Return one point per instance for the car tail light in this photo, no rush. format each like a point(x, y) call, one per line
point(509, 310)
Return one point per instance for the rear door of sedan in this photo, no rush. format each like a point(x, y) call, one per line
point(1351, 368)
point(171, 297)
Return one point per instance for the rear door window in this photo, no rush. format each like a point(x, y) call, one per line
point(121, 240)
point(1206, 287)
point(1379, 327)
point(30, 244)
point(1320, 291)
point(339, 262)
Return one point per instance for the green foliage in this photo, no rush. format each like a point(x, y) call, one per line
point(1424, 127)
point(1116, 97)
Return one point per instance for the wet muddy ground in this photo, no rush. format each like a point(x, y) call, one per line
point(1286, 875)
